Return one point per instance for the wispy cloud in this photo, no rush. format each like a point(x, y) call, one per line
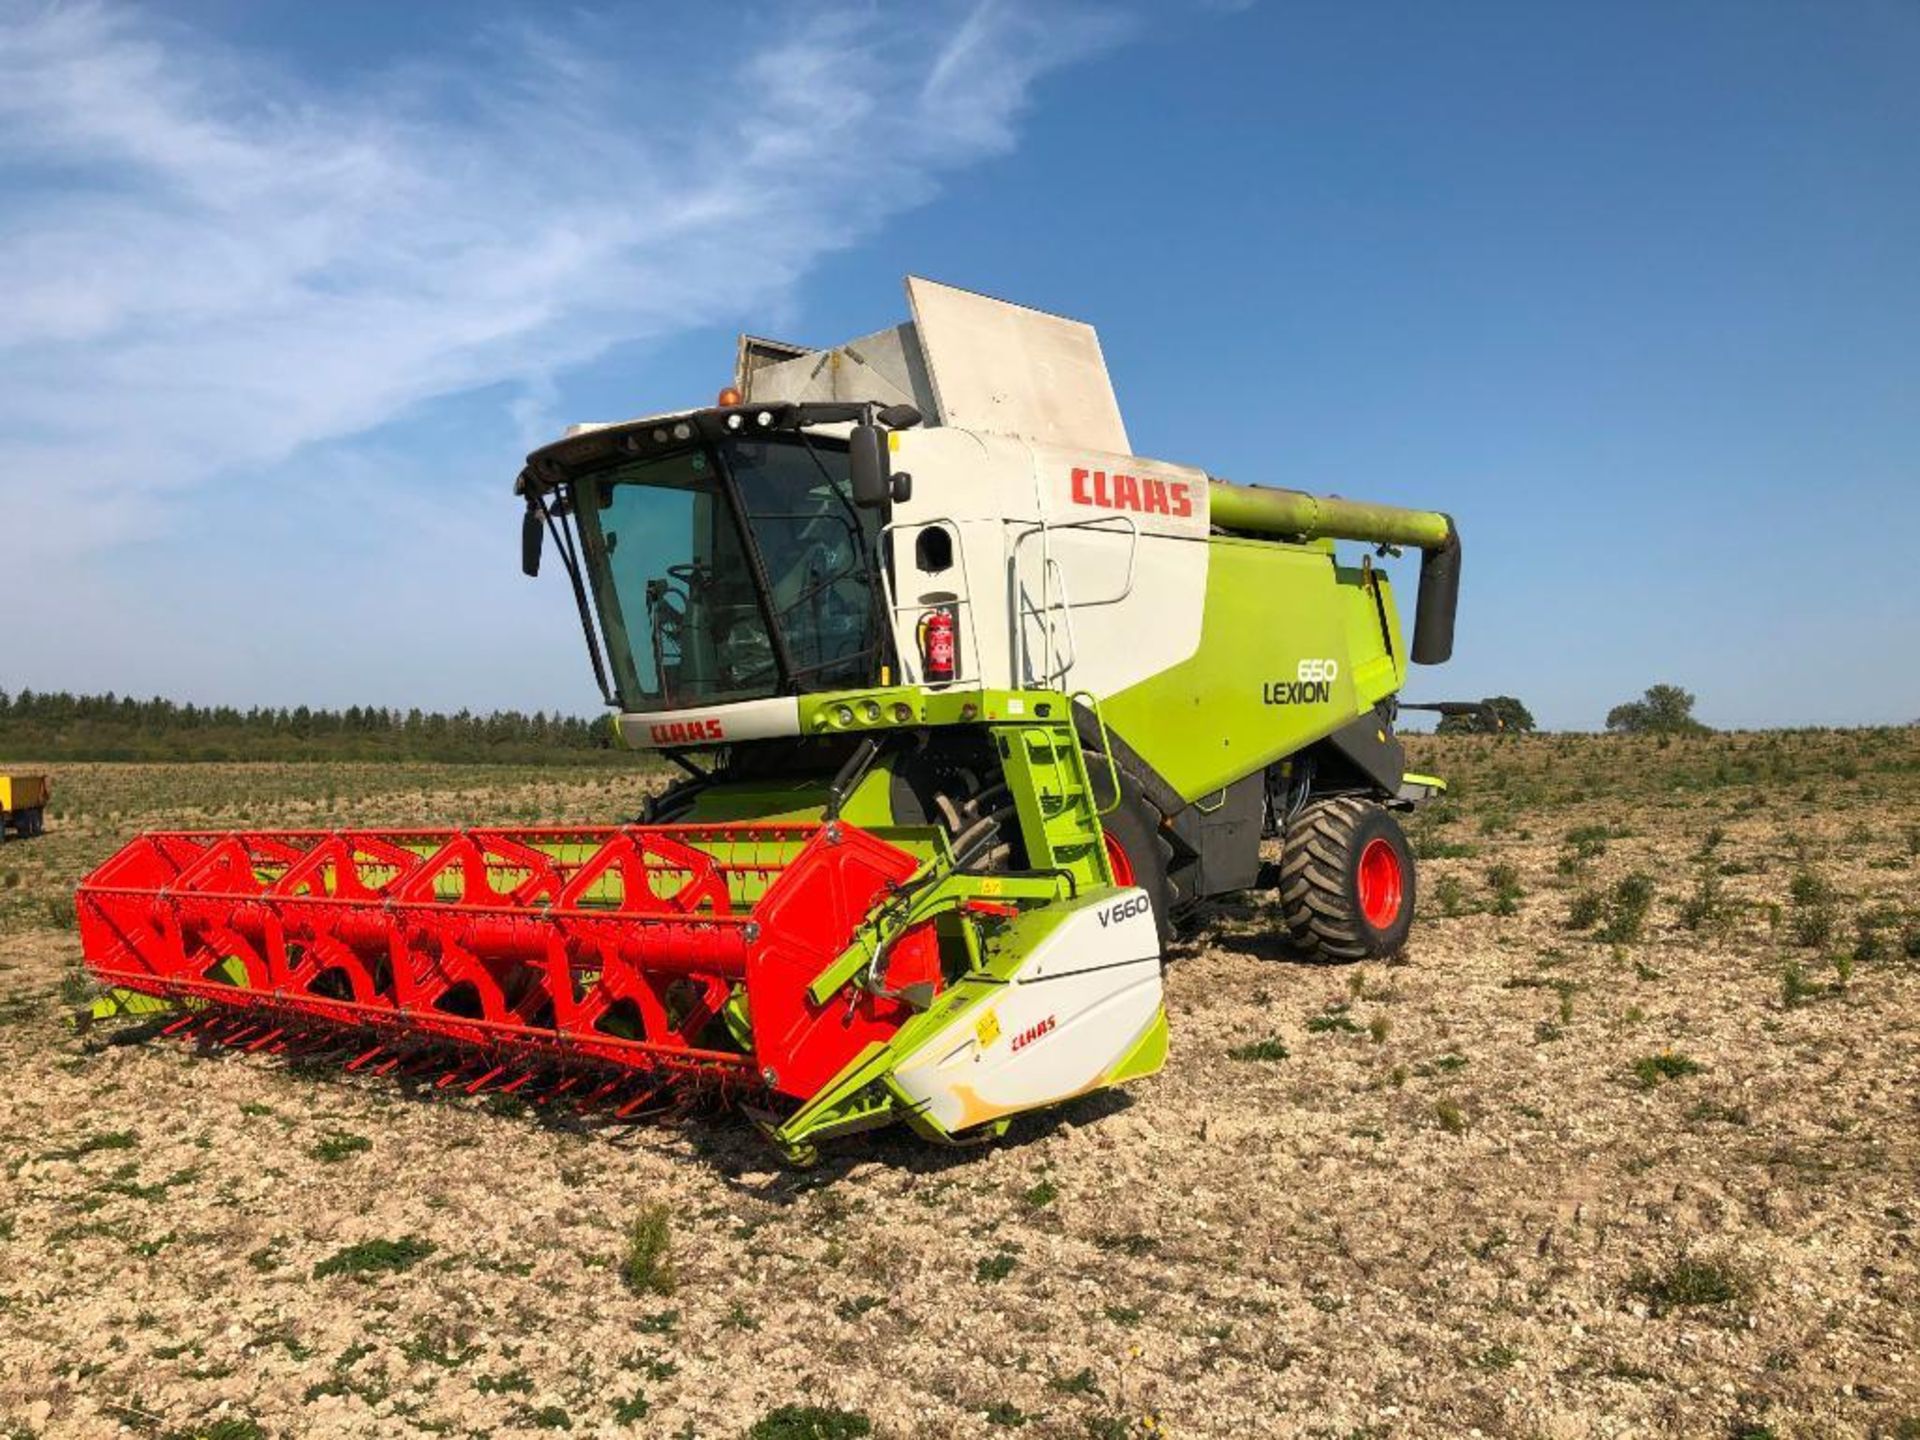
point(214, 262)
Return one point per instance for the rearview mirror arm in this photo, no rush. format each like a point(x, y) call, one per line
point(570, 561)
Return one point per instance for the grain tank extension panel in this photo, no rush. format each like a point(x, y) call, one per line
point(964, 360)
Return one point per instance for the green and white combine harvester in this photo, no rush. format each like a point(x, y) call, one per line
point(974, 706)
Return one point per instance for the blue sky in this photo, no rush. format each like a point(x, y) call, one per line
point(1633, 290)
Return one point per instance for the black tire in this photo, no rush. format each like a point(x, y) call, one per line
point(1134, 826)
point(1332, 910)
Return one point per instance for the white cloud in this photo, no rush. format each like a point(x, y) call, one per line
point(213, 263)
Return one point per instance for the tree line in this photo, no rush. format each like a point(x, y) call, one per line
point(1662, 710)
point(54, 724)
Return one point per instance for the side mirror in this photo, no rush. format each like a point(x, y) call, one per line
point(869, 466)
point(533, 530)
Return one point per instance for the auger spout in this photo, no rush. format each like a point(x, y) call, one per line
point(1296, 515)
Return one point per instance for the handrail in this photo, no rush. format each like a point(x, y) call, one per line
point(1106, 748)
point(1045, 529)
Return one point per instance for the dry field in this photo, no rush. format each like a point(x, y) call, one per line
point(1626, 1146)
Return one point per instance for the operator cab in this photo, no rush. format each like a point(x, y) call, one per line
point(721, 551)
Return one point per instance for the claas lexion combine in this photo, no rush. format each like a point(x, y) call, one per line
point(972, 706)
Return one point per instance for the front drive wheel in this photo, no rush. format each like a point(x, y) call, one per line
point(1138, 852)
point(1346, 880)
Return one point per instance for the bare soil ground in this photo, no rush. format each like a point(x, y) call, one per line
point(1655, 1175)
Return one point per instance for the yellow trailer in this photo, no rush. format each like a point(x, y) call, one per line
point(23, 804)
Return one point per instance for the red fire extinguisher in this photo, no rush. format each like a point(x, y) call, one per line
point(936, 646)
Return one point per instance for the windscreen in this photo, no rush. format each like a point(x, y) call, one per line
point(699, 609)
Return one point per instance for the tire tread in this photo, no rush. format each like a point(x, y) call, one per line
point(1315, 891)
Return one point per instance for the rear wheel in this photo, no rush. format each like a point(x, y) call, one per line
point(1346, 880)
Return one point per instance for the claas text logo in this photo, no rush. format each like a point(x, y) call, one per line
point(1032, 1033)
point(1141, 493)
point(686, 732)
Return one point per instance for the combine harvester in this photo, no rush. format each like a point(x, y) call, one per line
point(973, 705)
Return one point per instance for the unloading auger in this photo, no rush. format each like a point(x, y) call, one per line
point(973, 707)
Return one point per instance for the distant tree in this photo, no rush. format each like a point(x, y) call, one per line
point(1663, 710)
point(1509, 717)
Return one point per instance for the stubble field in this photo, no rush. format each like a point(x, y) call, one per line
point(1625, 1146)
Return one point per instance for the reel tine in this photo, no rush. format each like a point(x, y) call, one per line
point(561, 1087)
point(322, 1040)
point(632, 1107)
point(600, 1092)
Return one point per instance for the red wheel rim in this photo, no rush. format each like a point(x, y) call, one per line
point(1117, 858)
point(1382, 883)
